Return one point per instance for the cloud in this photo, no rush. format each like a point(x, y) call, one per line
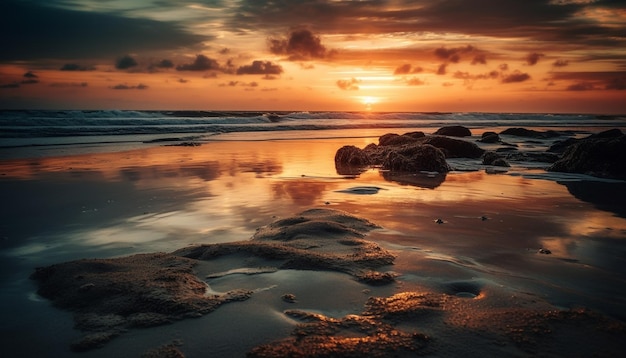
point(406, 69)
point(348, 85)
point(581, 86)
point(414, 81)
point(68, 84)
point(260, 68)
point(533, 58)
point(479, 59)
point(201, 63)
point(9, 85)
point(516, 77)
point(504, 67)
point(124, 86)
point(618, 83)
point(560, 63)
point(239, 83)
point(453, 54)
point(39, 30)
point(300, 45)
point(30, 74)
point(30, 81)
point(441, 70)
point(164, 64)
point(75, 67)
point(125, 62)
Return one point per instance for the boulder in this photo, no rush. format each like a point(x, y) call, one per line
point(489, 137)
point(493, 158)
point(454, 148)
point(416, 158)
point(352, 156)
point(562, 145)
point(454, 131)
point(530, 133)
point(395, 139)
point(597, 156)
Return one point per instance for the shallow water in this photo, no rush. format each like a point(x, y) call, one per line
point(165, 198)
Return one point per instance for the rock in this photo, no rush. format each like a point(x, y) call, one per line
point(561, 146)
point(597, 156)
point(289, 298)
point(489, 158)
point(489, 137)
point(454, 148)
point(351, 155)
point(395, 139)
point(454, 131)
point(544, 251)
point(540, 157)
point(416, 158)
point(523, 132)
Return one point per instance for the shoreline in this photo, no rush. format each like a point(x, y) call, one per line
point(166, 198)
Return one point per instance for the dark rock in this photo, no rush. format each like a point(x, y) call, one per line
point(597, 156)
point(351, 155)
point(561, 146)
point(416, 158)
point(415, 135)
point(395, 139)
point(541, 157)
point(493, 158)
point(523, 132)
point(489, 137)
point(454, 131)
point(454, 148)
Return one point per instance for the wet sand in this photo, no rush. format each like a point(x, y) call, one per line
point(474, 284)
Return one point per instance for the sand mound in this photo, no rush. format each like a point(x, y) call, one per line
point(317, 239)
point(109, 296)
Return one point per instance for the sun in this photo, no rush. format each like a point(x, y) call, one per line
point(368, 101)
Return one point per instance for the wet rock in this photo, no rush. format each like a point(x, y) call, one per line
point(351, 155)
point(538, 157)
point(597, 156)
point(530, 133)
point(544, 251)
point(415, 158)
point(489, 137)
point(561, 146)
point(395, 139)
point(454, 131)
point(289, 298)
point(495, 159)
point(454, 148)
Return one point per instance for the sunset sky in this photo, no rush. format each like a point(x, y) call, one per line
point(394, 55)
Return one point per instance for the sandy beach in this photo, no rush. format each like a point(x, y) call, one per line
point(516, 261)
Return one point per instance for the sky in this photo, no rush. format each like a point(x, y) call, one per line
point(558, 56)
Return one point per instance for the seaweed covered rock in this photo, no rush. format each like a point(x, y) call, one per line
point(454, 148)
point(351, 155)
point(415, 158)
point(495, 159)
point(108, 296)
point(597, 156)
point(489, 137)
point(530, 133)
point(454, 131)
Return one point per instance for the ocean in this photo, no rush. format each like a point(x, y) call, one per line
point(39, 133)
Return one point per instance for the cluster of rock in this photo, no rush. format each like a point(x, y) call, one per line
point(415, 152)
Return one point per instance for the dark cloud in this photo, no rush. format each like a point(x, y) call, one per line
point(68, 84)
point(201, 63)
point(560, 63)
point(75, 67)
point(441, 70)
point(581, 86)
point(9, 85)
point(125, 62)
point(301, 44)
point(479, 60)
point(164, 64)
point(260, 68)
point(516, 77)
point(124, 86)
point(533, 58)
point(35, 30)
point(414, 82)
point(348, 85)
point(407, 69)
point(473, 77)
point(618, 83)
point(453, 54)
